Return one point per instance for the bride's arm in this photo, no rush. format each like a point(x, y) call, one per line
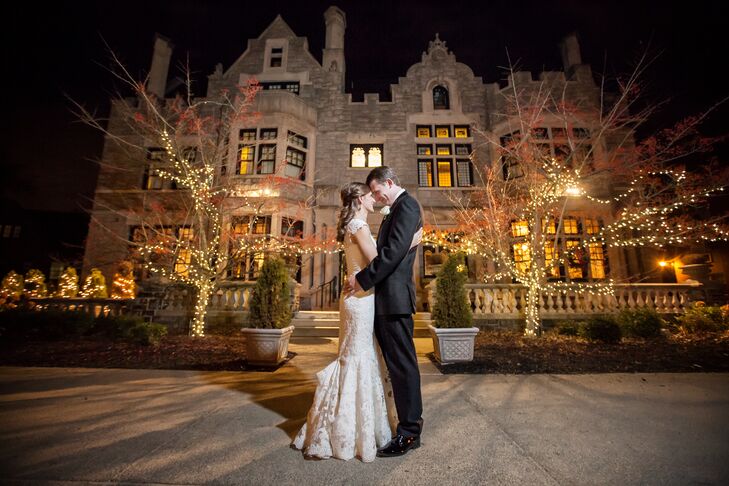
point(362, 238)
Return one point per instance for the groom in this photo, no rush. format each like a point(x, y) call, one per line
point(391, 273)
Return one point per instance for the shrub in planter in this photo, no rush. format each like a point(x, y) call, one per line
point(452, 308)
point(269, 317)
point(601, 328)
point(270, 307)
point(35, 284)
point(642, 323)
point(453, 333)
point(700, 318)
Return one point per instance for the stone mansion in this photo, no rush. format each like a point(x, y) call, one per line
point(311, 131)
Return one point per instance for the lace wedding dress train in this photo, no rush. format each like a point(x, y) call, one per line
point(353, 412)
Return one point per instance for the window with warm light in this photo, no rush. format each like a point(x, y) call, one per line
point(245, 265)
point(449, 171)
point(246, 159)
point(519, 228)
point(575, 268)
point(366, 155)
point(597, 260)
point(462, 131)
point(570, 226)
point(550, 256)
point(522, 257)
point(444, 173)
point(423, 131)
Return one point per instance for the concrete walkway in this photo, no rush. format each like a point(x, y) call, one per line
point(65, 426)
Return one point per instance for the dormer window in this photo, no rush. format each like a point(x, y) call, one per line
point(440, 98)
point(276, 56)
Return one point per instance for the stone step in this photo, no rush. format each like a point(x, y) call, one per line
point(326, 324)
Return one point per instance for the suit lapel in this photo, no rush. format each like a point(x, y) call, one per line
point(384, 227)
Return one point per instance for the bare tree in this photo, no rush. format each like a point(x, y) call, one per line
point(552, 154)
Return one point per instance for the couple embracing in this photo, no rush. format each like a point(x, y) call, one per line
point(359, 400)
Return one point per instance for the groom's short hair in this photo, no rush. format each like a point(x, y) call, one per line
point(381, 174)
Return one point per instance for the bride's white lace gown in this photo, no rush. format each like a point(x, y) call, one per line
point(353, 411)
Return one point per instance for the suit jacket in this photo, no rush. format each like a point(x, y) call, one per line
point(391, 272)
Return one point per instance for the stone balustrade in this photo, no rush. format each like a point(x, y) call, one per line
point(506, 301)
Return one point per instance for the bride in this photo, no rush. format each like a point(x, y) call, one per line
point(353, 411)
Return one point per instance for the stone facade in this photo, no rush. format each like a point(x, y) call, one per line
point(307, 98)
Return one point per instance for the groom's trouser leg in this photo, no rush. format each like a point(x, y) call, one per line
point(395, 335)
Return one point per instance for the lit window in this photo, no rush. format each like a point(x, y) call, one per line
point(550, 226)
point(574, 267)
point(443, 131)
point(444, 173)
point(374, 157)
point(247, 154)
point(443, 149)
point(597, 260)
point(358, 157)
point(182, 262)
point(425, 150)
point(570, 226)
point(462, 132)
point(423, 131)
point(425, 173)
point(522, 257)
point(592, 226)
point(519, 228)
point(440, 98)
point(550, 256)
point(366, 155)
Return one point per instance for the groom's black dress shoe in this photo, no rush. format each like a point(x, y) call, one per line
point(398, 446)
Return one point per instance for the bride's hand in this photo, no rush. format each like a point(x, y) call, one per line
point(417, 238)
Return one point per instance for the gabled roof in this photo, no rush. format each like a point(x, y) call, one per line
point(278, 28)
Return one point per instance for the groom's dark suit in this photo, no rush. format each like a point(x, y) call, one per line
point(391, 273)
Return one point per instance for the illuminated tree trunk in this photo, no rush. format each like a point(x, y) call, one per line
point(204, 290)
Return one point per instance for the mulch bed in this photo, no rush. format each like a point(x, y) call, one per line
point(496, 352)
point(211, 353)
point(510, 352)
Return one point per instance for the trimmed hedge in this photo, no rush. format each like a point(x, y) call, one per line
point(642, 323)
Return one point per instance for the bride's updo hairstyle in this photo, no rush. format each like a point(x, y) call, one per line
point(350, 195)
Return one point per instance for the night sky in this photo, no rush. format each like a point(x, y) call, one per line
point(48, 158)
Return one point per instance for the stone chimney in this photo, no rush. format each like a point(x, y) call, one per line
point(571, 55)
point(333, 57)
point(157, 83)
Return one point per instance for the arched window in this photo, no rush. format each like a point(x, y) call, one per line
point(440, 98)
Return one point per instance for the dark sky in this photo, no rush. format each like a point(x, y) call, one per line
point(47, 157)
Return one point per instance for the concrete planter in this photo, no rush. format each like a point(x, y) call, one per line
point(267, 347)
point(453, 345)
